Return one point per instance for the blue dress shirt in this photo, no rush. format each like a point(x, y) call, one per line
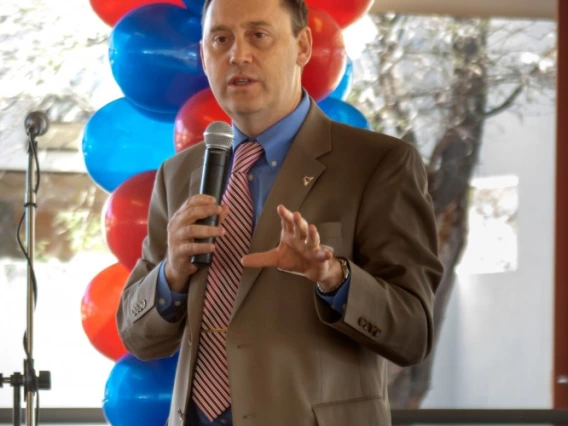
point(276, 142)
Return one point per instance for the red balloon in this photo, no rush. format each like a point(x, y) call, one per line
point(194, 117)
point(110, 11)
point(342, 11)
point(98, 311)
point(327, 65)
point(126, 217)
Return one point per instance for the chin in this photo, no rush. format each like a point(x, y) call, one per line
point(244, 107)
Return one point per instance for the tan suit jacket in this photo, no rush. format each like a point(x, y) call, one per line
point(293, 361)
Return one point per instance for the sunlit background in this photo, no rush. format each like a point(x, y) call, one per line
point(498, 319)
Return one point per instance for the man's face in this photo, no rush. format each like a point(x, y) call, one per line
point(252, 59)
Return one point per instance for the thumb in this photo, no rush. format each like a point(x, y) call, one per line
point(260, 260)
point(224, 213)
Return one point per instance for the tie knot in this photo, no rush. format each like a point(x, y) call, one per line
point(246, 155)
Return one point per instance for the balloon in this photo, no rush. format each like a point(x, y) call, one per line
point(155, 59)
point(342, 11)
point(343, 112)
point(126, 217)
point(110, 11)
point(344, 87)
point(195, 6)
point(120, 142)
point(139, 393)
point(194, 117)
point(323, 73)
point(98, 310)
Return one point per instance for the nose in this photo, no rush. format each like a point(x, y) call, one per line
point(241, 52)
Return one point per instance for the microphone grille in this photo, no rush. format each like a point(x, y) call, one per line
point(218, 135)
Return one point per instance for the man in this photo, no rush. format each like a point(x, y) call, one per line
point(334, 227)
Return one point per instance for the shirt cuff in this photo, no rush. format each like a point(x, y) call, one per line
point(338, 300)
point(171, 305)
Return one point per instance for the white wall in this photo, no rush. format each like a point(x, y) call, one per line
point(78, 371)
point(496, 345)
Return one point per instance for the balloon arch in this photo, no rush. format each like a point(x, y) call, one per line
point(167, 104)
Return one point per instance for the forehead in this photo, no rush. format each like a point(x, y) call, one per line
point(231, 13)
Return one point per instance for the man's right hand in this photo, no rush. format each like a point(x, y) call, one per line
point(182, 232)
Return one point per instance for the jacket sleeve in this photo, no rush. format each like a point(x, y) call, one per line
point(144, 332)
point(395, 268)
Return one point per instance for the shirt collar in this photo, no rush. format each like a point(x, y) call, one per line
point(277, 139)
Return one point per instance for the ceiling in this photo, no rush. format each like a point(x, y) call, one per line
point(536, 9)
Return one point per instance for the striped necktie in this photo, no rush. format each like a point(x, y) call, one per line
point(211, 391)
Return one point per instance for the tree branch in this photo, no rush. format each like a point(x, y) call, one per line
point(506, 104)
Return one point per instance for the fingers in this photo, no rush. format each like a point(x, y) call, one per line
point(287, 219)
point(299, 251)
point(192, 232)
point(261, 260)
point(312, 239)
point(185, 235)
point(196, 208)
point(200, 199)
point(224, 213)
point(300, 227)
point(190, 249)
point(195, 213)
point(323, 254)
point(178, 263)
point(293, 223)
point(305, 237)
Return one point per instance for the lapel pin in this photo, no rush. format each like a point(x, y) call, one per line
point(307, 180)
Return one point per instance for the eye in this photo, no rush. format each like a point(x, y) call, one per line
point(259, 35)
point(220, 39)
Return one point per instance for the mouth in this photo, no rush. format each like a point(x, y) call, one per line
point(241, 81)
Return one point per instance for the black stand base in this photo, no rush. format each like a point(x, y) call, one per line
point(30, 382)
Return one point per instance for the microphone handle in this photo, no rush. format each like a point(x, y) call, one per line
point(213, 177)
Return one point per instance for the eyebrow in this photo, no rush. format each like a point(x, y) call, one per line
point(217, 28)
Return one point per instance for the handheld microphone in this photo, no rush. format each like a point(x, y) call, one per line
point(36, 123)
point(218, 141)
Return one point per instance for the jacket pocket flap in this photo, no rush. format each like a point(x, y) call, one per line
point(365, 411)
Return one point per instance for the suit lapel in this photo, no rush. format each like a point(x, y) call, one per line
point(196, 293)
point(195, 181)
point(196, 296)
point(298, 174)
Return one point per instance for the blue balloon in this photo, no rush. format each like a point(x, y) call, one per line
point(195, 6)
point(119, 142)
point(343, 112)
point(155, 59)
point(139, 393)
point(344, 86)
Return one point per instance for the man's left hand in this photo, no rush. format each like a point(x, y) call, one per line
point(299, 252)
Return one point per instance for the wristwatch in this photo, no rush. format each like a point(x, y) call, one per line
point(344, 270)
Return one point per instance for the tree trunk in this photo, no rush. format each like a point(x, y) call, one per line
point(450, 171)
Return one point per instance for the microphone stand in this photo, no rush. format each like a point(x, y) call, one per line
point(36, 125)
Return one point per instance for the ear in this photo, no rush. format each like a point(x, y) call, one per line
point(305, 42)
point(202, 57)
